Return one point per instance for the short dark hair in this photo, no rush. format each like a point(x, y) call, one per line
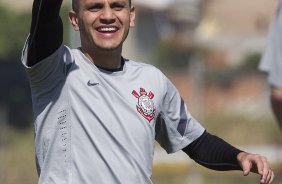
point(75, 5)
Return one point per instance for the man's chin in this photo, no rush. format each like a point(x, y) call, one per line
point(109, 48)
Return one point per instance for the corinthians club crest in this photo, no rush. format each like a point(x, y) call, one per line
point(145, 105)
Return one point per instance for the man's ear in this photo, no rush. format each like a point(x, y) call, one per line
point(73, 20)
point(132, 16)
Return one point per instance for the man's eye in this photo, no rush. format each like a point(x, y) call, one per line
point(118, 7)
point(95, 8)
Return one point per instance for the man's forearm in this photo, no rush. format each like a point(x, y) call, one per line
point(46, 31)
point(212, 152)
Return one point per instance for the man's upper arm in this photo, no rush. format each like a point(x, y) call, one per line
point(175, 127)
point(276, 103)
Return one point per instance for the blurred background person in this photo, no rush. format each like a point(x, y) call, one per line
point(271, 63)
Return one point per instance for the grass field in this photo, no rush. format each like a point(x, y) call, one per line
point(195, 174)
point(17, 164)
point(17, 158)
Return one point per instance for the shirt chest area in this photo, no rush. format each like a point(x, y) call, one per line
point(122, 98)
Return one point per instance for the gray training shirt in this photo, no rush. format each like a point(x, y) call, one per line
point(271, 61)
point(98, 127)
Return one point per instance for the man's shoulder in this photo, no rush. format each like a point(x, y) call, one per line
point(141, 65)
point(144, 69)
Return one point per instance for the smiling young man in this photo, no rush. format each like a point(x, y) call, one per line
point(97, 114)
point(103, 32)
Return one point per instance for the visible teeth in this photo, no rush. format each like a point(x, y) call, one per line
point(108, 29)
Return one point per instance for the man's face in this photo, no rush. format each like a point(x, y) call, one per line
point(103, 24)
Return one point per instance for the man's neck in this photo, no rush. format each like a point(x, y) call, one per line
point(106, 59)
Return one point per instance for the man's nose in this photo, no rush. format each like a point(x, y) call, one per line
point(108, 15)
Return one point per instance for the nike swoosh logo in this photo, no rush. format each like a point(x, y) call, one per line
point(89, 83)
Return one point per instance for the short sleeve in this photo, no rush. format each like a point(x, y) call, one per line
point(48, 76)
point(271, 61)
point(175, 127)
point(50, 69)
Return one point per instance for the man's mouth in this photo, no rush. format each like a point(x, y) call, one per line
point(107, 29)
